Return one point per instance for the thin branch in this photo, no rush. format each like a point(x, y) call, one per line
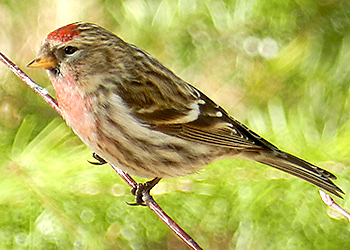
point(43, 93)
point(331, 203)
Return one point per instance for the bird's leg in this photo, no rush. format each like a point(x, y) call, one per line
point(100, 160)
point(141, 191)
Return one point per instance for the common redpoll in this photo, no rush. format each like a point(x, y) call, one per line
point(139, 116)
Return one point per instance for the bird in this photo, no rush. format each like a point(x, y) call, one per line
point(135, 113)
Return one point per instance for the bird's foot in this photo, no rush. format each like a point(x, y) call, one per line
point(142, 192)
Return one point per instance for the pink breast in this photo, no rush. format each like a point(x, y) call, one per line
point(77, 110)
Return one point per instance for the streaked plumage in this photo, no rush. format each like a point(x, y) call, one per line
point(138, 115)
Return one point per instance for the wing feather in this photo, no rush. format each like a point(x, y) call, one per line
point(161, 100)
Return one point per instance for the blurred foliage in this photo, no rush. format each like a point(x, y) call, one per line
point(281, 67)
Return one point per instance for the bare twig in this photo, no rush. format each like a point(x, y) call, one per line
point(331, 203)
point(43, 93)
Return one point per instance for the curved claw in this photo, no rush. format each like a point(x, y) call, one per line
point(100, 160)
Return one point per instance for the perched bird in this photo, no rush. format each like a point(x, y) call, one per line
point(136, 114)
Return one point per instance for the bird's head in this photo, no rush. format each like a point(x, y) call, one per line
point(77, 47)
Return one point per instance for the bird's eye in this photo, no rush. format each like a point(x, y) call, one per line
point(69, 50)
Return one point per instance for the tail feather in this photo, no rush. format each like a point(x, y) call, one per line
point(304, 170)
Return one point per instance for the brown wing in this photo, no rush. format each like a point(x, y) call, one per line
point(161, 100)
point(164, 102)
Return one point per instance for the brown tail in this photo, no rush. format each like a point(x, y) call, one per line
point(302, 169)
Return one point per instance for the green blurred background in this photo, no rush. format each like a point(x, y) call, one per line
point(280, 66)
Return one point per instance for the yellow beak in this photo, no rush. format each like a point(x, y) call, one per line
point(43, 62)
